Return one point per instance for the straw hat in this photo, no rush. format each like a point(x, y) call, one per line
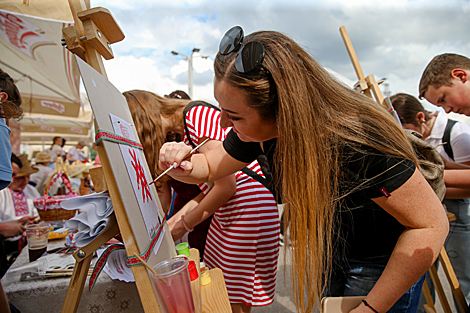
point(42, 157)
point(26, 169)
point(79, 170)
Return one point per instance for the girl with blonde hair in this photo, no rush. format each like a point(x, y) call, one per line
point(362, 219)
point(243, 237)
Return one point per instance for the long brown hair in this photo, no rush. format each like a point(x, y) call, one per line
point(147, 110)
point(315, 116)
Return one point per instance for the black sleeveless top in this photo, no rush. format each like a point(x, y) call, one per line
point(366, 229)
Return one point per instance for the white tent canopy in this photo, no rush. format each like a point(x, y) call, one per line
point(44, 71)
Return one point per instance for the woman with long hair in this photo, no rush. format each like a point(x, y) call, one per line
point(243, 237)
point(361, 217)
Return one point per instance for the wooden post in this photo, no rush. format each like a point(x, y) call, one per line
point(365, 84)
point(361, 84)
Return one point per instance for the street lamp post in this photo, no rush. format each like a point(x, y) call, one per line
point(189, 58)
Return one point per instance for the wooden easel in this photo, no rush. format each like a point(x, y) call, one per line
point(368, 85)
point(87, 39)
point(91, 37)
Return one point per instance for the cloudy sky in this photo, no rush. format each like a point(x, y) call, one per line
point(393, 39)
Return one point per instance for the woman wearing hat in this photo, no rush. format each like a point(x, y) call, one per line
point(42, 160)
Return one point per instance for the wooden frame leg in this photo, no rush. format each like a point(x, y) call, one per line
point(429, 306)
point(454, 284)
point(82, 265)
point(439, 290)
point(77, 282)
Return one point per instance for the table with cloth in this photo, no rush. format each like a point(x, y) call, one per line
point(48, 295)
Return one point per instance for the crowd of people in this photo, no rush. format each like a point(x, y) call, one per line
point(75, 153)
point(361, 217)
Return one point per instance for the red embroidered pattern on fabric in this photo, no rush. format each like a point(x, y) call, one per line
point(20, 203)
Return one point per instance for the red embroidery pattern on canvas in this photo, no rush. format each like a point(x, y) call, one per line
point(140, 175)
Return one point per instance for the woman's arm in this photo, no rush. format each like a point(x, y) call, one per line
point(415, 206)
point(200, 208)
point(199, 168)
point(11, 228)
point(457, 178)
point(4, 306)
point(457, 193)
point(449, 165)
point(223, 189)
point(165, 196)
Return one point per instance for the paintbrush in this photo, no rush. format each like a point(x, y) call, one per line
point(441, 144)
point(175, 166)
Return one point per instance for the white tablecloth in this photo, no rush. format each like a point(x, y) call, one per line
point(48, 295)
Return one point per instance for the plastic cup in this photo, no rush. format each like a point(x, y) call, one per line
point(173, 286)
point(183, 248)
point(38, 236)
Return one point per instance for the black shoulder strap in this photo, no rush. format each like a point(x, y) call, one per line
point(446, 138)
point(266, 182)
point(187, 109)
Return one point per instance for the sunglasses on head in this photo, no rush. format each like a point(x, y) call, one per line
point(250, 55)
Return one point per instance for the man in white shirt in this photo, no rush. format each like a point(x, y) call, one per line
point(75, 155)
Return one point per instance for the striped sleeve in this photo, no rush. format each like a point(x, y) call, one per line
point(204, 122)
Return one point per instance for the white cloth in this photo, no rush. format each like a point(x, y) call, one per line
point(41, 177)
point(7, 210)
point(31, 192)
point(95, 216)
point(76, 155)
point(53, 151)
point(459, 139)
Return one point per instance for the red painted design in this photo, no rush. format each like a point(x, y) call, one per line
point(140, 176)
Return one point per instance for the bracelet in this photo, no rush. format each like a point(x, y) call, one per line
point(186, 226)
point(363, 301)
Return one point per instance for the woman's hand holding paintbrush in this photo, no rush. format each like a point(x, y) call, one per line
point(175, 165)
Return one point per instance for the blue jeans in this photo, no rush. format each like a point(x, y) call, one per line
point(361, 276)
